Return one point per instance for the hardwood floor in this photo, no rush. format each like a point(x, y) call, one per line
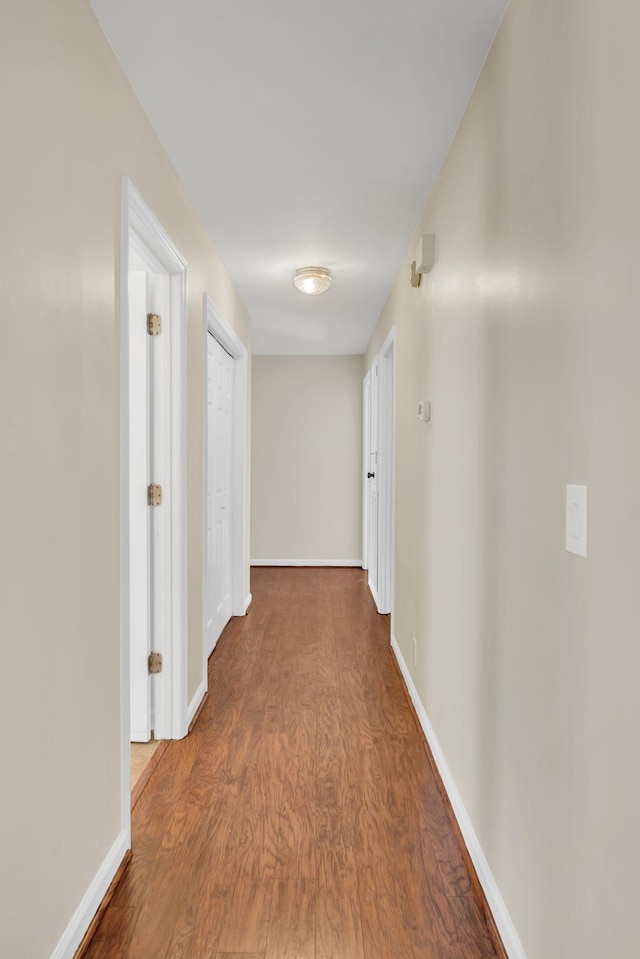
point(301, 819)
point(144, 759)
point(141, 755)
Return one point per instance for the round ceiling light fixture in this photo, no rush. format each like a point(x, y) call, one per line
point(312, 280)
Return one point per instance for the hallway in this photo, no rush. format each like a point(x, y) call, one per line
point(301, 817)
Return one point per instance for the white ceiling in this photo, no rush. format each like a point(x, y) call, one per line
point(305, 134)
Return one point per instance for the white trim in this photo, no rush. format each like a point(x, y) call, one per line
point(141, 230)
point(125, 663)
point(83, 916)
point(247, 602)
point(504, 923)
point(139, 735)
point(208, 652)
point(307, 562)
point(194, 705)
point(179, 725)
point(216, 324)
point(374, 595)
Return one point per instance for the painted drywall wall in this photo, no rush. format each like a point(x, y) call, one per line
point(306, 501)
point(526, 339)
point(71, 128)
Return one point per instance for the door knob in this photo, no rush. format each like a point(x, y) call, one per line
point(370, 475)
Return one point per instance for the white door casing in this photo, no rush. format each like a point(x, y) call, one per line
point(159, 518)
point(161, 604)
point(220, 375)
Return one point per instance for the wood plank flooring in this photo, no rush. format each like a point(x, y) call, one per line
point(141, 755)
point(301, 818)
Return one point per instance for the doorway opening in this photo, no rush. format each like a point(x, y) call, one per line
point(379, 475)
point(225, 586)
point(373, 482)
point(367, 467)
point(153, 484)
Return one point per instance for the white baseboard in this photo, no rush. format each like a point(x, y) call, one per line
point(139, 736)
point(307, 562)
point(201, 692)
point(375, 596)
point(208, 652)
point(242, 607)
point(504, 923)
point(81, 920)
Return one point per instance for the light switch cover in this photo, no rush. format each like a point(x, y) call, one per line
point(424, 411)
point(577, 520)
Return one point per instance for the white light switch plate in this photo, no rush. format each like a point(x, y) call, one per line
point(576, 541)
point(424, 411)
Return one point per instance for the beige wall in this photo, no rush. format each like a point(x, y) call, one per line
point(526, 337)
point(71, 127)
point(306, 499)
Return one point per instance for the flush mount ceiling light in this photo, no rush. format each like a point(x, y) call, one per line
point(312, 280)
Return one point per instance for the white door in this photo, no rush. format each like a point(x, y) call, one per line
point(153, 451)
point(159, 474)
point(220, 368)
point(366, 464)
point(381, 475)
point(149, 464)
point(372, 473)
point(385, 477)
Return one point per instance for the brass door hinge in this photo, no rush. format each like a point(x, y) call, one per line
point(155, 662)
point(154, 495)
point(154, 324)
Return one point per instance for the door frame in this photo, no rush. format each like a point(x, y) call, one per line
point(142, 230)
point(373, 566)
point(384, 591)
point(366, 454)
point(386, 468)
point(215, 323)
